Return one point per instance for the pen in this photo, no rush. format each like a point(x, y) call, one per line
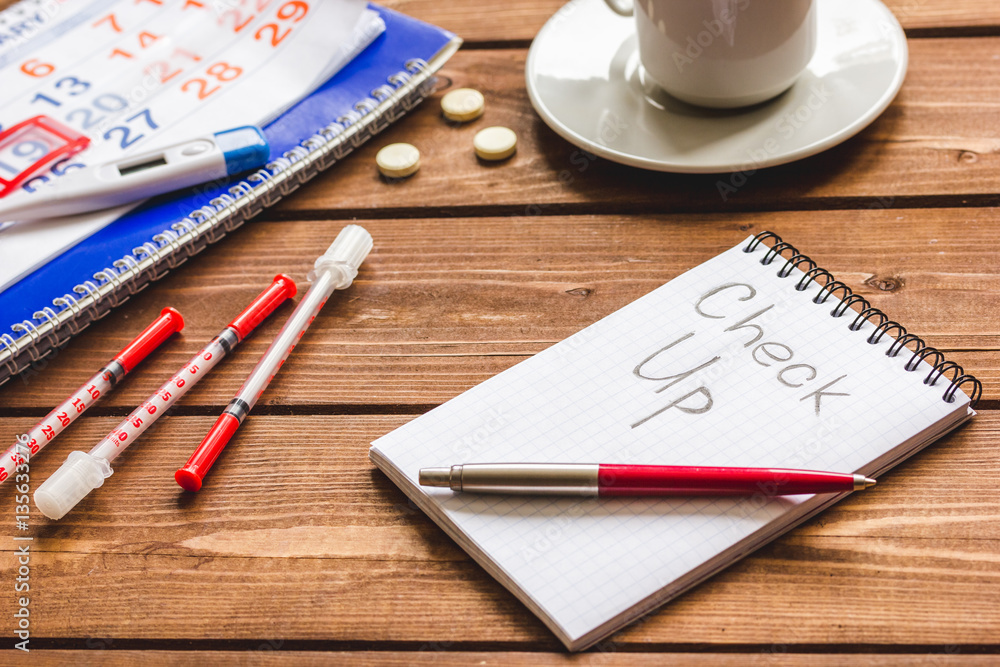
point(134, 177)
point(84, 472)
point(593, 479)
point(333, 270)
point(167, 323)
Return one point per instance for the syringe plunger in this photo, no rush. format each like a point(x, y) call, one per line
point(78, 476)
point(346, 253)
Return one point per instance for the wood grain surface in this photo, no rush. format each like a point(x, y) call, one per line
point(519, 20)
point(442, 304)
point(291, 551)
point(299, 550)
point(274, 653)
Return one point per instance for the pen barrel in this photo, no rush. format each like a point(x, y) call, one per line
point(640, 480)
point(564, 479)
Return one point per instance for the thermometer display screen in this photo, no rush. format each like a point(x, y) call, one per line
point(142, 166)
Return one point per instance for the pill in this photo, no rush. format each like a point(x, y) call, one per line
point(495, 143)
point(463, 105)
point(398, 160)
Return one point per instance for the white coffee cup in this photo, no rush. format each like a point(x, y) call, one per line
point(723, 53)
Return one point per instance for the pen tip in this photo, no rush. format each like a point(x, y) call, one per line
point(862, 482)
point(435, 477)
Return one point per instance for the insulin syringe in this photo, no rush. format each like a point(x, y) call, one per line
point(83, 472)
point(166, 324)
point(335, 269)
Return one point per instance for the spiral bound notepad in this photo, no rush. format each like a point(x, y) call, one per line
point(757, 357)
point(386, 80)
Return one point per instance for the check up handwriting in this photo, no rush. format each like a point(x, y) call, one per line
point(769, 354)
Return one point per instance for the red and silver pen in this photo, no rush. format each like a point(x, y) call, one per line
point(599, 479)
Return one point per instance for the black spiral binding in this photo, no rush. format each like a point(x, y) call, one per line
point(941, 367)
point(172, 247)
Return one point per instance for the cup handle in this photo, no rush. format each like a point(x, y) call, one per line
point(619, 7)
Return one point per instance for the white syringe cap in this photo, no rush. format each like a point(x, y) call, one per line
point(344, 255)
point(81, 474)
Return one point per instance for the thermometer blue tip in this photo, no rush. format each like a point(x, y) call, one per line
point(245, 148)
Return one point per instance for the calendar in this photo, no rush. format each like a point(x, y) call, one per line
point(136, 74)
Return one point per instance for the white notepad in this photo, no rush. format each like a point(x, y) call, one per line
point(620, 392)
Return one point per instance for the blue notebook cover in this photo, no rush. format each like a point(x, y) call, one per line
point(404, 39)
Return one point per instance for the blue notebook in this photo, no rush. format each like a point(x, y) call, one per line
point(388, 78)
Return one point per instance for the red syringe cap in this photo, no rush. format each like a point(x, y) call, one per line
point(190, 476)
point(281, 288)
point(168, 323)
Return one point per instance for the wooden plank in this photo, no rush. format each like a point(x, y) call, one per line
point(937, 139)
point(345, 508)
point(520, 20)
point(443, 304)
point(273, 653)
point(844, 593)
point(322, 546)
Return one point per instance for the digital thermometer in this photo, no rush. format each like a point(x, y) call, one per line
point(136, 177)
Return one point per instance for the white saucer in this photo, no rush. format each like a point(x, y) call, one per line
point(585, 80)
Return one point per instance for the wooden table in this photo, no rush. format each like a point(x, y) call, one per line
point(299, 548)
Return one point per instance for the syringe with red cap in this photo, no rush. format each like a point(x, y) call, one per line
point(83, 472)
point(91, 391)
point(335, 269)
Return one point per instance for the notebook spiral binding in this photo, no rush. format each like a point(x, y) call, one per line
point(868, 313)
point(51, 327)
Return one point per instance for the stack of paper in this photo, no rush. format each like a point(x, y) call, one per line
point(133, 76)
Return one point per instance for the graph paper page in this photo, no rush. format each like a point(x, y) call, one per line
point(719, 367)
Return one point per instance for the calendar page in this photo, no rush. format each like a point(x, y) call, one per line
point(136, 74)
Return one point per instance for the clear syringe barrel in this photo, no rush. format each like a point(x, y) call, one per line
point(285, 342)
point(164, 398)
point(83, 472)
point(56, 421)
point(166, 324)
point(335, 269)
